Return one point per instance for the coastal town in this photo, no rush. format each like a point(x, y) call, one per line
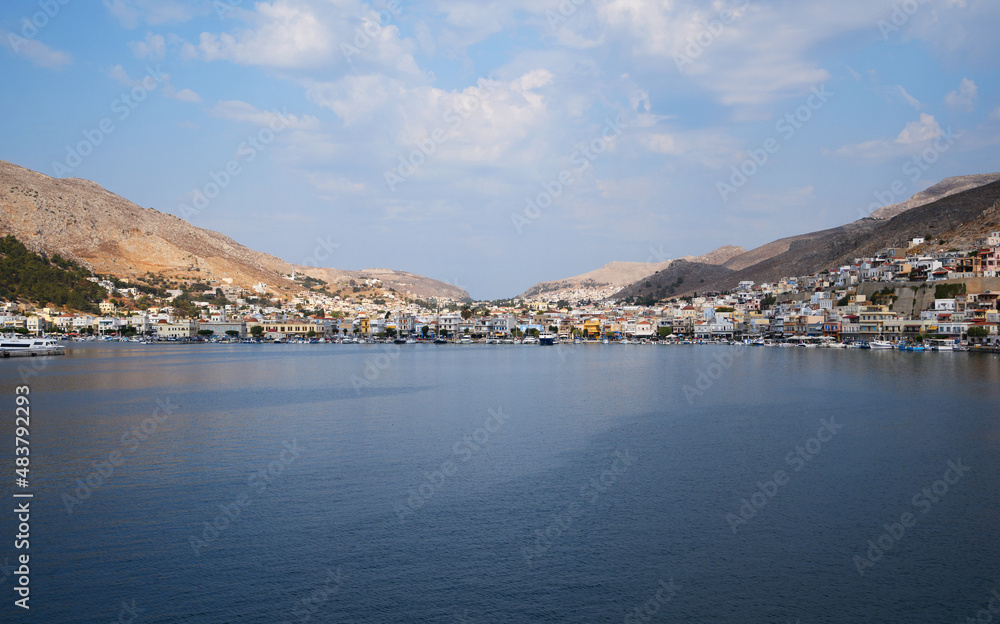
point(900, 296)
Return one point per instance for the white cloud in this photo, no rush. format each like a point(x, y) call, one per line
point(913, 138)
point(708, 148)
point(909, 99)
point(184, 95)
point(298, 34)
point(478, 124)
point(286, 35)
point(119, 74)
point(236, 110)
point(185, 49)
point(663, 144)
point(35, 51)
point(963, 99)
point(995, 114)
point(335, 185)
point(153, 48)
point(925, 129)
point(761, 55)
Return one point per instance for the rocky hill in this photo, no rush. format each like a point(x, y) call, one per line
point(954, 219)
point(944, 188)
point(400, 281)
point(616, 275)
point(82, 221)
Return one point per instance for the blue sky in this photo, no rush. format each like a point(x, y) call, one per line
point(497, 144)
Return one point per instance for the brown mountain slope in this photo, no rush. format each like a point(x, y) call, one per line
point(722, 255)
point(81, 220)
point(400, 281)
point(814, 252)
point(770, 250)
point(944, 188)
point(621, 274)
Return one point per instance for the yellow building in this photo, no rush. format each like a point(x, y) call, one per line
point(298, 329)
point(872, 319)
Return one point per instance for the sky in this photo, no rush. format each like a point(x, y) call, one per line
point(496, 144)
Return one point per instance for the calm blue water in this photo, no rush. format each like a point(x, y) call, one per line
point(370, 485)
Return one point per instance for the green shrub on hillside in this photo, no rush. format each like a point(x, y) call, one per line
point(27, 275)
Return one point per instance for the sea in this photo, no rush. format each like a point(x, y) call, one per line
point(264, 484)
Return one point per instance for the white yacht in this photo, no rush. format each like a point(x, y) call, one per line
point(941, 345)
point(33, 346)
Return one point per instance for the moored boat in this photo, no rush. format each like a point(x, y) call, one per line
point(936, 344)
point(30, 346)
